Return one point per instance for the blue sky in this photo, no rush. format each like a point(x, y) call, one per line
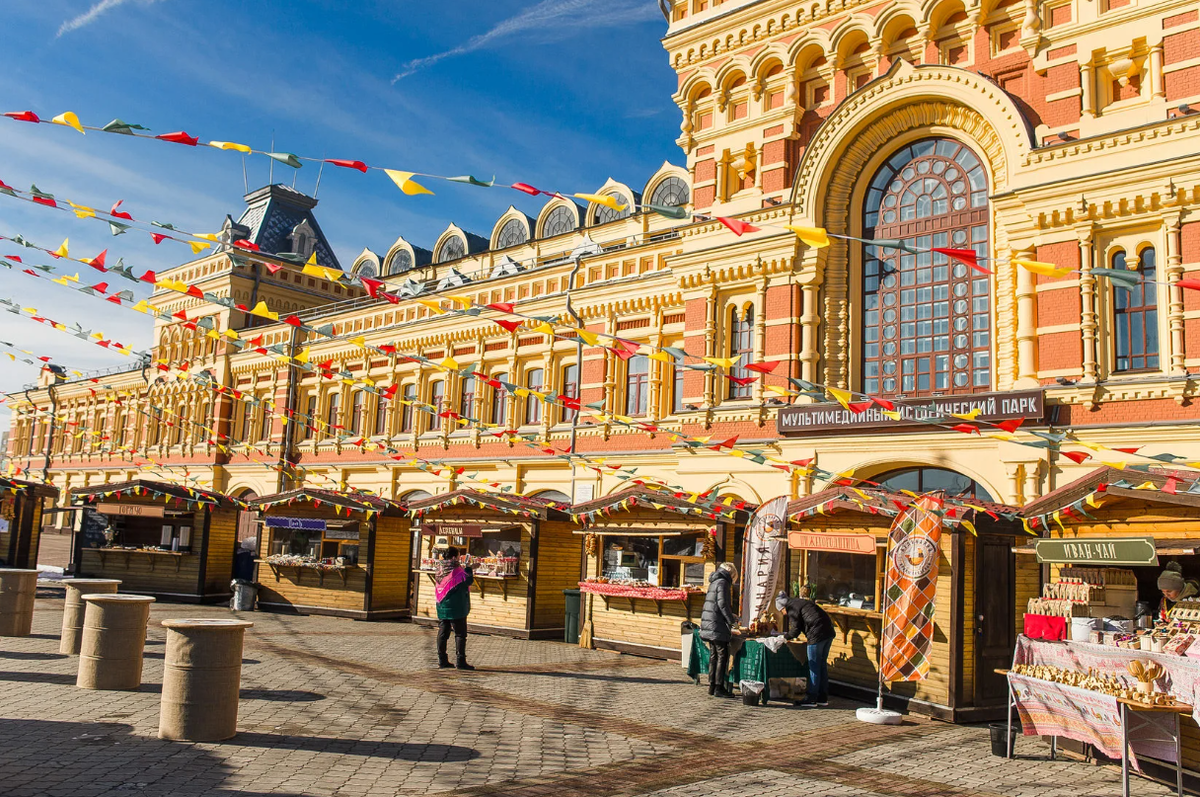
point(560, 93)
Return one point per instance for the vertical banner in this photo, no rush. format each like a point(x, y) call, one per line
point(911, 587)
point(762, 558)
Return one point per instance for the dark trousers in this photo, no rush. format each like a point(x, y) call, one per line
point(459, 627)
point(818, 671)
point(718, 666)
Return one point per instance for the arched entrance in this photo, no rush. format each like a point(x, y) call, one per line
point(927, 479)
point(247, 519)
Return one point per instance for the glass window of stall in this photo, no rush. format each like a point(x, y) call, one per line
point(668, 561)
point(844, 579)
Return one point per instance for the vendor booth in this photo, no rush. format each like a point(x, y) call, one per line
point(21, 506)
point(838, 547)
point(522, 551)
point(321, 552)
point(648, 558)
point(1111, 544)
point(158, 539)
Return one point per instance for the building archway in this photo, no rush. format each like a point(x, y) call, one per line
point(247, 518)
point(924, 479)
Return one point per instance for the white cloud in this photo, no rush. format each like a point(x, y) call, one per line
point(553, 19)
point(94, 13)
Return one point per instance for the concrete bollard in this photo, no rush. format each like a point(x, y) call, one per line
point(201, 679)
point(73, 608)
point(18, 589)
point(114, 635)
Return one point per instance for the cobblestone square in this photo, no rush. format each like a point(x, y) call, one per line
point(337, 707)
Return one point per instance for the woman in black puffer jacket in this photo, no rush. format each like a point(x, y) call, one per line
point(716, 627)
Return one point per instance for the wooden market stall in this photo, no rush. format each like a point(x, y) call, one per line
point(648, 558)
point(523, 552)
point(1102, 542)
point(322, 552)
point(21, 506)
point(158, 539)
point(838, 547)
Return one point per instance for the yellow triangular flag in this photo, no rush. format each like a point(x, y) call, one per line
point(434, 307)
point(893, 414)
point(68, 119)
point(606, 201)
point(465, 301)
point(661, 356)
point(1146, 486)
point(61, 251)
point(840, 396)
point(82, 211)
point(208, 236)
point(450, 364)
point(590, 338)
point(262, 310)
point(1044, 269)
point(230, 145)
point(724, 362)
point(405, 182)
point(544, 328)
point(198, 247)
point(360, 342)
point(967, 416)
point(815, 237)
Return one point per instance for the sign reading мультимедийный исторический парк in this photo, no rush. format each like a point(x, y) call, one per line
point(802, 419)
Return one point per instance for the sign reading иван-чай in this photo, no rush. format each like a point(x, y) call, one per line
point(802, 419)
point(1097, 550)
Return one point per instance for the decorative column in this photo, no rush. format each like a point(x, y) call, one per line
point(1087, 85)
point(1033, 481)
point(760, 330)
point(710, 346)
point(657, 370)
point(1175, 293)
point(1026, 323)
point(1158, 91)
point(1014, 484)
point(1089, 319)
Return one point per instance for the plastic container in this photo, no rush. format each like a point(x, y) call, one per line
point(1082, 627)
point(245, 593)
point(1000, 744)
point(571, 617)
point(685, 643)
point(752, 692)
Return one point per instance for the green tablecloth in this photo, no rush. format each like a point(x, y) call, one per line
point(750, 660)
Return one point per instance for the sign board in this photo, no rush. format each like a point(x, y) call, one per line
point(1098, 551)
point(452, 530)
point(92, 526)
point(809, 419)
point(348, 533)
point(131, 510)
point(836, 543)
point(296, 523)
point(763, 555)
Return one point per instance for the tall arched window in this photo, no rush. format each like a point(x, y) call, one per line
point(310, 416)
point(926, 318)
point(401, 262)
point(406, 412)
point(637, 385)
point(467, 397)
point(383, 410)
point(333, 415)
point(452, 249)
point(1135, 316)
point(247, 427)
point(357, 405)
point(924, 480)
point(513, 233)
point(500, 402)
point(741, 349)
point(604, 214)
point(437, 400)
point(559, 221)
point(181, 421)
point(569, 389)
point(535, 379)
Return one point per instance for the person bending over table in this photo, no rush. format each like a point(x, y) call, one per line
point(806, 617)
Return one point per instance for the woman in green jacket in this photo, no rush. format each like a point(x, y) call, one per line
point(453, 592)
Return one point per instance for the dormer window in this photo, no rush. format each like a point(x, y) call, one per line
point(304, 239)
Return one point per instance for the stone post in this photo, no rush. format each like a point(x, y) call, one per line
point(18, 588)
point(114, 634)
point(201, 679)
point(73, 609)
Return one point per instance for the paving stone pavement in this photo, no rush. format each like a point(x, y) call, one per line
point(333, 707)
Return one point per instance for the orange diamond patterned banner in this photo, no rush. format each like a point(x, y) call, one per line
point(911, 586)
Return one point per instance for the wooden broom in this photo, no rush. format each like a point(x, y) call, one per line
point(585, 633)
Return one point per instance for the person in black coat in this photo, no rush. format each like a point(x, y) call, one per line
point(716, 627)
point(806, 617)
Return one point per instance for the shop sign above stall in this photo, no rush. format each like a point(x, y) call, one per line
point(348, 533)
point(452, 530)
point(808, 419)
point(836, 543)
point(297, 523)
point(131, 510)
point(1101, 551)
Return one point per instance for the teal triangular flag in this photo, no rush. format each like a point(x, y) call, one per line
point(122, 127)
point(1120, 278)
point(285, 158)
point(468, 179)
point(670, 211)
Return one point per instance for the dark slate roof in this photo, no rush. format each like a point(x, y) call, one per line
point(476, 243)
point(273, 211)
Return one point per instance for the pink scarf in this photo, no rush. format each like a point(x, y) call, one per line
point(447, 582)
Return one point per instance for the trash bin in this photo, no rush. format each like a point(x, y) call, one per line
point(752, 692)
point(999, 743)
point(685, 643)
point(571, 618)
point(244, 595)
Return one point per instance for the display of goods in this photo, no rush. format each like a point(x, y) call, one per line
point(1146, 672)
point(1187, 610)
point(637, 589)
point(1057, 608)
point(1179, 644)
point(1074, 591)
point(498, 566)
point(301, 560)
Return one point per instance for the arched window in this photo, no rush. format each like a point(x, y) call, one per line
point(333, 416)
point(671, 192)
point(118, 434)
point(181, 421)
point(513, 233)
point(500, 402)
point(924, 480)
point(604, 214)
point(437, 400)
point(200, 431)
point(558, 222)
point(310, 416)
point(264, 419)
point(467, 397)
point(382, 414)
point(247, 428)
point(406, 412)
point(741, 349)
point(155, 431)
point(535, 379)
point(367, 269)
point(637, 385)
point(401, 262)
point(926, 318)
point(1135, 316)
point(677, 372)
point(569, 389)
point(357, 404)
point(452, 249)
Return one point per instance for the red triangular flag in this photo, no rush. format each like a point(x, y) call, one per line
point(1011, 426)
point(737, 226)
point(149, 276)
point(179, 138)
point(741, 381)
point(194, 291)
point(624, 349)
point(762, 368)
point(362, 167)
point(1170, 486)
point(503, 307)
point(858, 407)
point(511, 326)
point(294, 321)
point(968, 256)
point(1078, 457)
point(1191, 284)
point(1133, 450)
point(97, 262)
point(966, 428)
point(158, 237)
point(273, 268)
point(884, 403)
point(119, 214)
point(23, 116)
point(249, 246)
point(528, 189)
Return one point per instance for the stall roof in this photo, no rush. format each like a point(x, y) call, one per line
point(358, 502)
point(36, 488)
point(153, 488)
point(672, 501)
point(876, 502)
point(540, 508)
point(1157, 486)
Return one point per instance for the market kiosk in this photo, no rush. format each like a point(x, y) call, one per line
point(158, 539)
point(523, 553)
point(648, 558)
point(1096, 629)
point(837, 541)
point(322, 552)
point(21, 504)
